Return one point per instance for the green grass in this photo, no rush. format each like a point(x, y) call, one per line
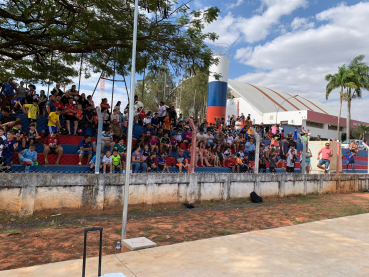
point(118, 231)
point(226, 232)
point(8, 231)
point(135, 211)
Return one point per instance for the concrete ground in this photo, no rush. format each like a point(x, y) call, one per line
point(335, 247)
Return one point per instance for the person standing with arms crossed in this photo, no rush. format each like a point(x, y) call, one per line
point(327, 154)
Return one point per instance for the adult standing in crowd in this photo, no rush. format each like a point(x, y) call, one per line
point(57, 91)
point(162, 112)
point(7, 90)
point(327, 154)
point(173, 115)
point(50, 106)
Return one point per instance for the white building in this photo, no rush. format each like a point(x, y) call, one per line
point(275, 107)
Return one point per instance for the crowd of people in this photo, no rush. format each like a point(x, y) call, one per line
point(229, 142)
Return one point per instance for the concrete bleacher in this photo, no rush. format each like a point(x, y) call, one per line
point(69, 160)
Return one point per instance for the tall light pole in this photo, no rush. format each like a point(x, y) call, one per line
point(276, 117)
point(130, 125)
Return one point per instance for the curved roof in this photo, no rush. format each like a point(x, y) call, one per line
point(267, 100)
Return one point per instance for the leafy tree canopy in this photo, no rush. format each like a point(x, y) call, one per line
point(38, 37)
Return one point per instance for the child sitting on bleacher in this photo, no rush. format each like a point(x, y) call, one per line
point(93, 162)
point(150, 161)
point(153, 142)
point(120, 146)
point(174, 143)
point(107, 161)
point(247, 162)
point(123, 159)
point(162, 163)
point(31, 136)
point(145, 152)
point(232, 162)
point(18, 132)
point(28, 157)
point(79, 113)
point(116, 161)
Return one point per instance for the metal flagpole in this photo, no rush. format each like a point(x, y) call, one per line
point(80, 73)
point(165, 84)
point(112, 92)
point(130, 125)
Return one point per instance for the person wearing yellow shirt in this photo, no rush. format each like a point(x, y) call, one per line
point(53, 121)
point(33, 111)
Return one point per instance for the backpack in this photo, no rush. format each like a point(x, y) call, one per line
point(255, 198)
point(63, 131)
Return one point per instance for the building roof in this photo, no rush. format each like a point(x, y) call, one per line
point(266, 100)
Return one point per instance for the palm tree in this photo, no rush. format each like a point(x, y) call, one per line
point(362, 129)
point(342, 80)
point(361, 80)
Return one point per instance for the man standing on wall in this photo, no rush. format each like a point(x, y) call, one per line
point(327, 153)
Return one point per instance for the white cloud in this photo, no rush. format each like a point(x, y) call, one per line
point(234, 5)
point(223, 28)
point(301, 24)
point(243, 54)
point(257, 27)
point(297, 62)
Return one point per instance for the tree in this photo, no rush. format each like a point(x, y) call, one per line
point(342, 80)
point(159, 86)
point(362, 129)
point(40, 36)
point(361, 81)
point(193, 95)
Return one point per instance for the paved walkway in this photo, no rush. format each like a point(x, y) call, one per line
point(336, 247)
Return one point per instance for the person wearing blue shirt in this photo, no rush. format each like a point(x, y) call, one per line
point(7, 90)
point(295, 135)
point(93, 162)
point(350, 160)
point(28, 157)
point(182, 160)
point(250, 149)
point(8, 151)
point(85, 149)
point(155, 122)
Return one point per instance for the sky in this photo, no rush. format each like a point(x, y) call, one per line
point(286, 45)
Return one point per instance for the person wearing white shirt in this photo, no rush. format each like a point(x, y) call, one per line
point(147, 119)
point(162, 111)
point(228, 121)
point(229, 139)
point(201, 137)
point(107, 161)
point(280, 128)
point(209, 138)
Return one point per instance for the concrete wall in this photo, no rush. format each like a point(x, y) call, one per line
point(26, 193)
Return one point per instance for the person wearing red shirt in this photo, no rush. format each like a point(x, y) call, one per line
point(52, 145)
point(232, 162)
point(58, 103)
point(70, 115)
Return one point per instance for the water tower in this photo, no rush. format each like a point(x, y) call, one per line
point(217, 89)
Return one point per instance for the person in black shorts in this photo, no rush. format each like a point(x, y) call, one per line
point(150, 161)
